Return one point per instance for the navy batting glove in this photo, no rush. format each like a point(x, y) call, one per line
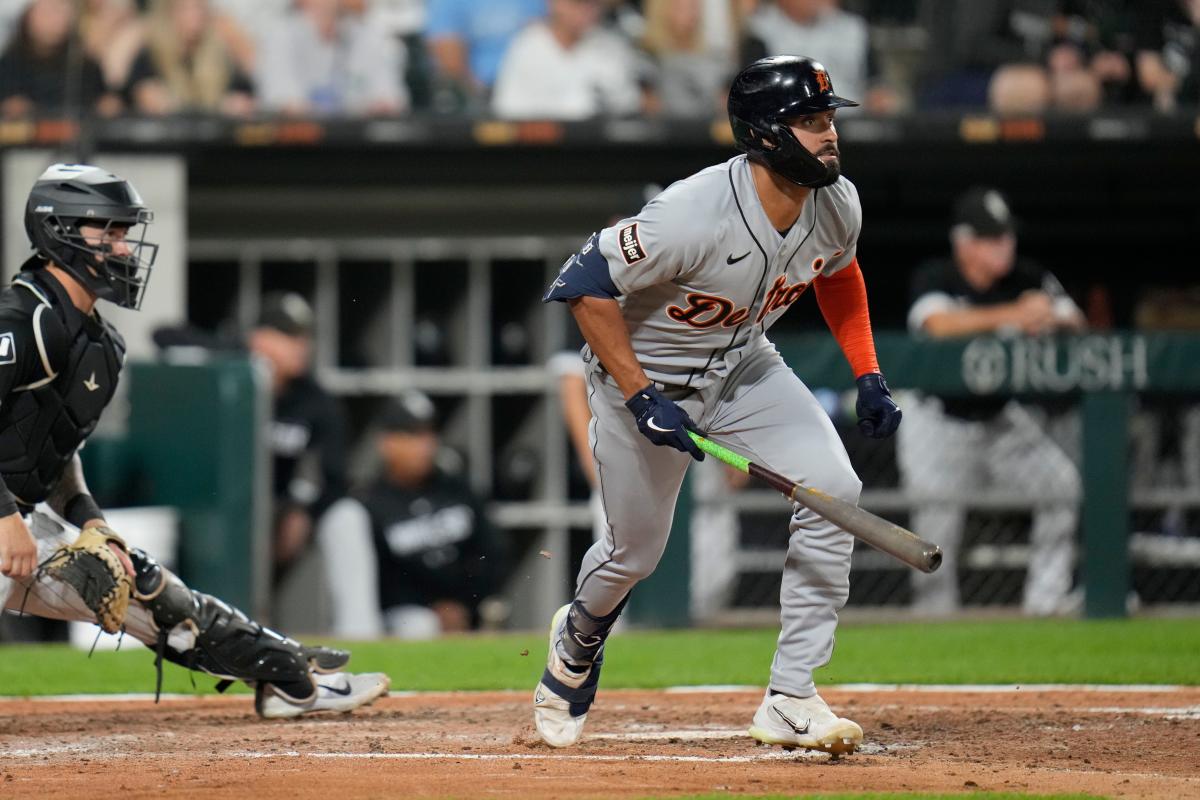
point(878, 414)
point(663, 422)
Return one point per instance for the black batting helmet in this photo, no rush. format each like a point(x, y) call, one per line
point(67, 196)
point(764, 97)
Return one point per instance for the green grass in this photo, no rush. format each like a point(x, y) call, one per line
point(1126, 651)
point(898, 796)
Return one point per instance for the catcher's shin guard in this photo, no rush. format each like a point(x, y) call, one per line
point(200, 632)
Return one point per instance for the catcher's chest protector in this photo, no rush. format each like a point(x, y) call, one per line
point(41, 426)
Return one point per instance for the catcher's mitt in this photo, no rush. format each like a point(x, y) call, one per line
point(92, 569)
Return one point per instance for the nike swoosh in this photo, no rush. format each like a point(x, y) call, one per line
point(342, 692)
point(791, 724)
point(587, 641)
point(731, 260)
point(650, 424)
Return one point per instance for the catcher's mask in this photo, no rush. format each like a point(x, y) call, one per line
point(68, 197)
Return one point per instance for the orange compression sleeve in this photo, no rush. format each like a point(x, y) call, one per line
point(843, 301)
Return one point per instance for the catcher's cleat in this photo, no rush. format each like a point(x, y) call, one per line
point(563, 696)
point(804, 722)
point(341, 691)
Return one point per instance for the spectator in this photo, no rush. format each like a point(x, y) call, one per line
point(242, 24)
point(323, 58)
point(1168, 52)
point(44, 68)
point(692, 76)
point(823, 31)
point(1020, 89)
point(307, 428)
point(567, 67)
point(1076, 91)
point(186, 65)
point(467, 40)
point(439, 558)
point(113, 35)
point(969, 41)
point(404, 20)
point(950, 448)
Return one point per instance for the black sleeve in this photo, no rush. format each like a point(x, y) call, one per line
point(142, 69)
point(11, 73)
point(1029, 275)
point(93, 83)
point(929, 277)
point(239, 82)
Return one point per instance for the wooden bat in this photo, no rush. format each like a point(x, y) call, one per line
point(897, 542)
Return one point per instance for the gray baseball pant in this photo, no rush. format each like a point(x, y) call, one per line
point(763, 411)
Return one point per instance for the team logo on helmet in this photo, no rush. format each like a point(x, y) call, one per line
point(822, 78)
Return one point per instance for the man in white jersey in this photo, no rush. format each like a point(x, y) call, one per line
point(674, 304)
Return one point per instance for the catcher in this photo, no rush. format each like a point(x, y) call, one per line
point(59, 364)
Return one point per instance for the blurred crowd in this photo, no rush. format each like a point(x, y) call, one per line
point(577, 59)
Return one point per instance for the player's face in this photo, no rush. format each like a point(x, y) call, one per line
point(818, 133)
point(288, 356)
point(408, 456)
point(111, 238)
point(989, 258)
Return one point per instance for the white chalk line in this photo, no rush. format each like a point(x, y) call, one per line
point(955, 688)
point(864, 688)
point(768, 755)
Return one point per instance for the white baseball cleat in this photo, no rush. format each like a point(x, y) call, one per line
point(340, 691)
point(804, 722)
point(563, 697)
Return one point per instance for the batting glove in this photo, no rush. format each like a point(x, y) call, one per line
point(878, 414)
point(663, 422)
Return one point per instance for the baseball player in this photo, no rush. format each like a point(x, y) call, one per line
point(59, 364)
point(952, 447)
point(674, 304)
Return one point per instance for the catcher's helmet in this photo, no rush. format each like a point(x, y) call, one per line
point(67, 196)
point(764, 97)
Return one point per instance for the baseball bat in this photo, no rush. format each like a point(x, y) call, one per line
point(897, 542)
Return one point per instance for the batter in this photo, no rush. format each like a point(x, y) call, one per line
point(675, 304)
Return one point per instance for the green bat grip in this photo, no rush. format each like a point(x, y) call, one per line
point(720, 453)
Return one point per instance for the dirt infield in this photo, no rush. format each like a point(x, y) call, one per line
point(1143, 744)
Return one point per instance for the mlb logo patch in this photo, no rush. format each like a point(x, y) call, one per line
point(8, 349)
point(631, 246)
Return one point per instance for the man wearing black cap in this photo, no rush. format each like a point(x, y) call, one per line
point(307, 428)
point(438, 555)
point(950, 448)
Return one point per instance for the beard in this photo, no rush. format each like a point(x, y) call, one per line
point(833, 171)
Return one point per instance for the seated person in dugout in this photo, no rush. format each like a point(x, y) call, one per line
point(439, 561)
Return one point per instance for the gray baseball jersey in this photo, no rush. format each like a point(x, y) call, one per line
point(703, 273)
